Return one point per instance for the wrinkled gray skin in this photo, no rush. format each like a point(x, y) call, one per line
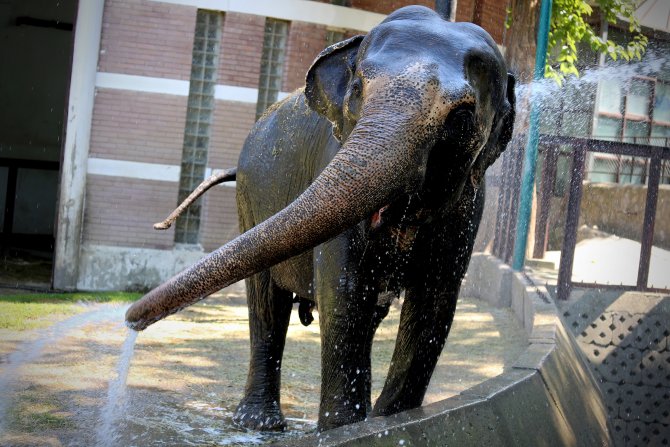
point(422, 107)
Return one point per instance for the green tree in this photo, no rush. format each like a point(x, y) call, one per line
point(570, 26)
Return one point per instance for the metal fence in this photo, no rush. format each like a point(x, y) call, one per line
point(619, 168)
point(508, 201)
point(655, 163)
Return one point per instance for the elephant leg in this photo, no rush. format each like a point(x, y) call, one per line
point(379, 313)
point(430, 304)
point(346, 309)
point(424, 325)
point(269, 314)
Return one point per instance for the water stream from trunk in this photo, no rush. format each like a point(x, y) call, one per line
point(115, 406)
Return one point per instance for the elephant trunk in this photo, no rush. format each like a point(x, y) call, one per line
point(377, 163)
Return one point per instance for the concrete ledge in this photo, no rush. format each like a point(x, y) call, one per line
point(541, 263)
point(104, 267)
point(549, 397)
point(488, 279)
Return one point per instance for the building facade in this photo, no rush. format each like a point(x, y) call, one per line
point(157, 94)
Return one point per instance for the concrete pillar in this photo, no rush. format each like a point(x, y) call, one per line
point(87, 33)
point(447, 9)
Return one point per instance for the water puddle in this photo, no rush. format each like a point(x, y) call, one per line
point(74, 379)
point(29, 351)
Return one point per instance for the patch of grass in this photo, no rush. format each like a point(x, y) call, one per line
point(34, 413)
point(33, 311)
point(26, 316)
point(76, 297)
point(43, 421)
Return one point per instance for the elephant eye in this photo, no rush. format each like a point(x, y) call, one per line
point(354, 99)
point(356, 88)
point(460, 124)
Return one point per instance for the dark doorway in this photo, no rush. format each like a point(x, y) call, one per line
point(35, 55)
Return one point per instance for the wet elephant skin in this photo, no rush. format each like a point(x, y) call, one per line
point(367, 182)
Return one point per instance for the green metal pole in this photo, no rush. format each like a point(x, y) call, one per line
point(530, 160)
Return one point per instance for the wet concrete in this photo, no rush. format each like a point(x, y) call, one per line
point(188, 374)
point(548, 397)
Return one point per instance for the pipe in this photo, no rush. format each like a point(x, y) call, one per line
point(530, 160)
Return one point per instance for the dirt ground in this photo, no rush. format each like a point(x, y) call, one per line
point(25, 269)
point(188, 373)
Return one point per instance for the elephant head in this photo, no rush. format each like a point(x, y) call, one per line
point(420, 105)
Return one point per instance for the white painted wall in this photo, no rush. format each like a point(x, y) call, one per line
point(299, 10)
point(75, 150)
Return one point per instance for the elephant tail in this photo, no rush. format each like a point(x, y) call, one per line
point(227, 175)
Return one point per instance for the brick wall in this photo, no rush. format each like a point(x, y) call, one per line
point(134, 126)
point(465, 10)
point(121, 211)
point(231, 124)
point(142, 38)
point(219, 222)
point(305, 42)
point(146, 38)
point(490, 15)
point(387, 7)
point(141, 127)
point(241, 48)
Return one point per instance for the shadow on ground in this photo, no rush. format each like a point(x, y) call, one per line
point(189, 371)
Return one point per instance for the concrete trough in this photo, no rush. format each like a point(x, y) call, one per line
point(549, 397)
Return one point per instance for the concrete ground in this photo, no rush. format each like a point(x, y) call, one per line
point(609, 259)
point(188, 373)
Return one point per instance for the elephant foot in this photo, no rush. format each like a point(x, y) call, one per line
point(259, 416)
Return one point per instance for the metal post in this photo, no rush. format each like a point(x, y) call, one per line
point(548, 180)
point(503, 208)
point(526, 199)
point(571, 223)
point(649, 219)
point(514, 202)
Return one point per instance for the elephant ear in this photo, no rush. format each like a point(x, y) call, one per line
point(327, 80)
point(501, 134)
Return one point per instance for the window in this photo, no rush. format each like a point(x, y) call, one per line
point(198, 120)
point(618, 169)
point(665, 172)
point(334, 36)
point(570, 112)
point(634, 111)
point(272, 64)
point(660, 126)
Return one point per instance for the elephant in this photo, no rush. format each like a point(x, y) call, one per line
point(365, 183)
